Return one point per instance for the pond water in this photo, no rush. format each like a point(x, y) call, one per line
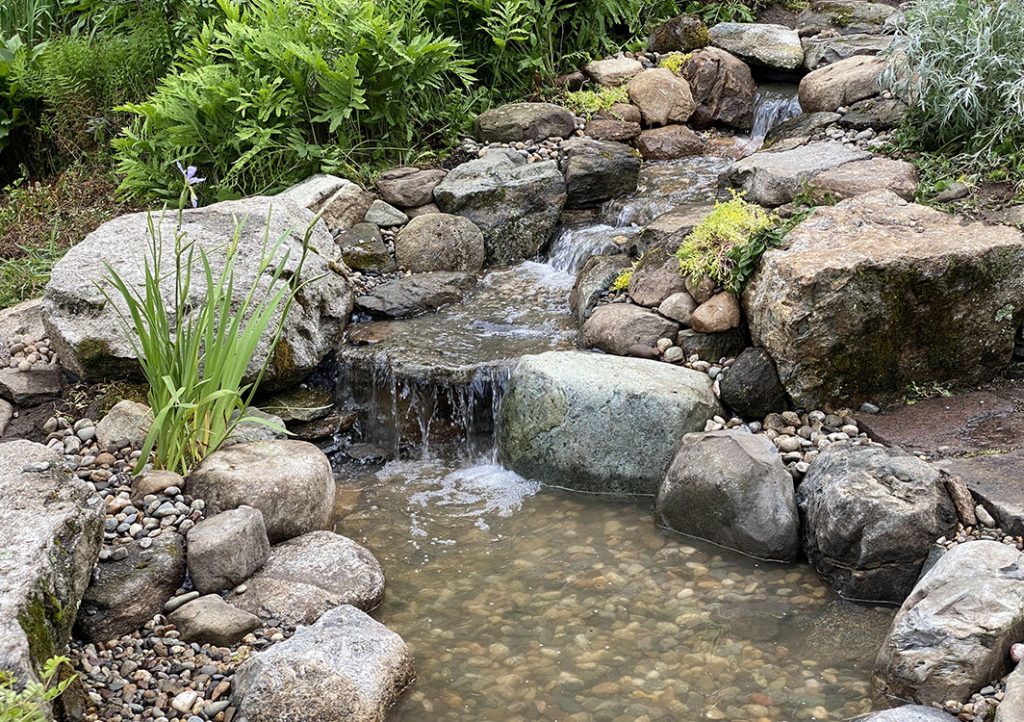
point(524, 603)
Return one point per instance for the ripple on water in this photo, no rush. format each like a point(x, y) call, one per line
point(522, 603)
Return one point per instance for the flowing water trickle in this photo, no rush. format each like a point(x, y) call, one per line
point(773, 104)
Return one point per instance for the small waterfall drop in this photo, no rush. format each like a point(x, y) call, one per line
point(773, 104)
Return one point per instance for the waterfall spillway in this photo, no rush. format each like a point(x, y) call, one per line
point(773, 104)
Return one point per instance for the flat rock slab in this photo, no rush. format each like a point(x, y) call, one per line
point(41, 384)
point(51, 529)
point(772, 178)
point(965, 423)
point(998, 483)
point(417, 294)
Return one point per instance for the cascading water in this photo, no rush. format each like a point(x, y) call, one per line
point(773, 104)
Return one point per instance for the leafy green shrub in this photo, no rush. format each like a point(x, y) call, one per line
point(588, 102)
point(965, 80)
point(30, 703)
point(727, 245)
point(723, 11)
point(621, 282)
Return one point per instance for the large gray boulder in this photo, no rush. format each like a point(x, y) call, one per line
point(599, 423)
point(306, 576)
point(1011, 708)
point(226, 549)
point(616, 327)
point(875, 292)
point(524, 122)
point(822, 50)
point(345, 668)
point(290, 482)
point(761, 44)
point(598, 170)
point(871, 515)
point(126, 593)
point(440, 242)
point(87, 332)
point(723, 88)
point(515, 204)
point(773, 178)
point(51, 529)
point(952, 635)
point(863, 176)
point(846, 17)
point(417, 294)
point(731, 488)
point(840, 84)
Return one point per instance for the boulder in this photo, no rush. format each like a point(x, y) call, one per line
point(51, 529)
point(772, 178)
point(346, 207)
point(722, 87)
point(661, 96)
point(871, 515)
point(712, 346)
point(996, 482)
point(154, 481)
point(315, 190)
point(719, 313)
point(612, 129)
point(593, 282)
point(612, 71)
point(761, 44)
point(731, 488)
point(363, 249)
point(874, 293)
point(598, 170)
point(290, 482)
point(524, 122)
point(683, 33)
point(862, 176)
point(822, 50)
point(548, 431)
point(615, 327)
point(514, 203)
point(652, 282)
point(85, 327)
point(127, 421)
point(669, 143)
point(440, 242)
point(226, 549)
point(345, 668)
point(260, 426)
point(841, 83)
point(23, 319)
point(952, 635)
point(669, 229)
point(408, 187)
point(127, 593)
point(751, 387)
point(679, 307)
point(306, 576)
point(302, 403)
point(907, 713)
point(384, 215)
point(800, 128)
point(1011, 708)
point(417, 294)
point(211, 620)
point(43, 383)
point(620, 111)
point(874, 113)
point(846, 17)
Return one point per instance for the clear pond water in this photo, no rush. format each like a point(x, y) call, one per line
point(524, 603)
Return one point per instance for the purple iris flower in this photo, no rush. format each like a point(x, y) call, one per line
point(189, 174)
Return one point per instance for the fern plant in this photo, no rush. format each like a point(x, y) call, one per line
point(31, 702)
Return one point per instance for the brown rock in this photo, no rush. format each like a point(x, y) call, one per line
point(651, 283)
point(620, 111)
point(155, 482)
point(661, 97)
point(610, 129)
point(962, 500)
point(669, 143)
point(723, 88)
point(409, 187)
point(719, 313)
point(616, 327)
point(612, 71)
point(861, 176)
point(840, 84)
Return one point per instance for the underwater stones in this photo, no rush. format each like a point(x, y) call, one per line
point(772, 178)
point(616, 327)
point(408, 187)
point(723, 88)
point(661, 96)
point(417, 294)
point(761, 44)
point(440, 242)
point(612, 71)
point(290, 482)
point(876, 292)
point(51, 529)
point(226, 549)
point(345, 668)
point(731, 488)
point(841, 83)
point(871, 515)
point(524, 122)
point(549, 429)
point(951, 636)
point(598, 170)
point(515, 204)
point(85, 327)
point(305, 576)
point(752, 387)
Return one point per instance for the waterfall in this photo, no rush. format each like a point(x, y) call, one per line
point(773, 104)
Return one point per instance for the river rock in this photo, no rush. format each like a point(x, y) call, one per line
point(667, 231)
point(440, 242)
point(211, 620)
point(772, 178)
point(1011, 708)
point(652, 282)
point(126, 421)
point(669, 143)
point(875, 292)
point(612, 71)
point(661, 96)
point(290, 482)
point(616, 327)
point(302, 403)
point(612, 129)
point(871, 515)
point(524, 122)
point(346, 207)
point(908, 713)
point(547, 428)
point(761, 44)
point(731, 488)
point(683, 34)
point(125, 594)
point(752, 388)
point(952, 635)
point(862, 176)
point(799, 129)
point(86, 330)
point(846, 17)
point(712, 346)
point(345, 668)
point(841, 83)
point(408, 187)
point(51, 529)
point(23, 319)
point(43, 383)
point(416, 294)
point(306, 576)
point(515, 204)
point(620, 111)
point(719, 313)
point(598, 170)
point(592, 282)
point(384, 215)
point(226, 549)
point(259, 426)
point(874, 113)
point(822, 50)
point(723, 88)
point(154, 481)
point(679, 307)
point(363, 249)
